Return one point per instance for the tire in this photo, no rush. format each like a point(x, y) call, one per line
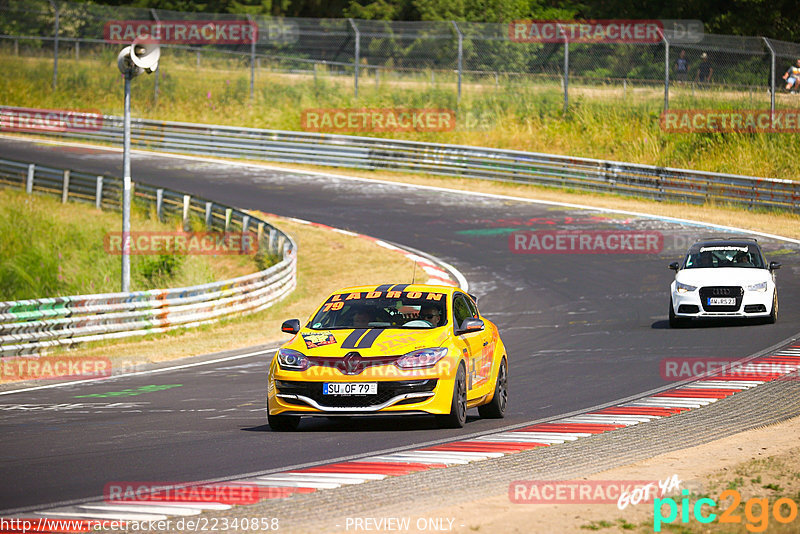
point(283, 423)
point(496, 408)
point(773, 316)
point(458, 407)
point(674, 322)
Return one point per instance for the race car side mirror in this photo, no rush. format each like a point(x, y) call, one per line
point(674, 266)
point(292, 326)
point(470, 324)
point(774, 266)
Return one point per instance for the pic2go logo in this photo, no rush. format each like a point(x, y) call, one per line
point(756, 511)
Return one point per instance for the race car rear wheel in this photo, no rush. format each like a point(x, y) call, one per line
point(496, 408)
point(458, 407)
point(283, 423)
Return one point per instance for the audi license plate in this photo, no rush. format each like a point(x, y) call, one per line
point(721, 301)
point(350, 388)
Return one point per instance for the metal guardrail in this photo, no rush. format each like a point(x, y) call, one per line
point(629, 179)
point(33, 326)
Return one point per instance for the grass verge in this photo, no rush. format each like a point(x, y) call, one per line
point(603, 121)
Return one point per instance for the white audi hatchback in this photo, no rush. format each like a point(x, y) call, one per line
point(723, 278)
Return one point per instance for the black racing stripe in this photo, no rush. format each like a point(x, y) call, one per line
point(367, 341)
point(355, 335)
point(384, 287)
point(400, 287)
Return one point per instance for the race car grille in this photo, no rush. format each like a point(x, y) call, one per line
point(386, 392)
point(710, 292)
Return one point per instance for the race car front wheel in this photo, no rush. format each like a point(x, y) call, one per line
point(458, 407)
point(496, 408)
point(773, 316)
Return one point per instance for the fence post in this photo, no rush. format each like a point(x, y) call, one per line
point(187, 199)
point(29, 181)
point(771, 78)
point(65, 188)
point(228, 212)
point(460, 55)
point(198, 58)
point(158, 68)
point(357, 55)
point(55, 44)
point(566, 68)
point(16, 47)
point(666, 71)
point(98, 193)
point(245, 223)
point(209, 221)
point(159, 203)
point(77, 50)
point(252, 56)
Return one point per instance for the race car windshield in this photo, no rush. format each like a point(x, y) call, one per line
point(724, 255)
point(382, 309)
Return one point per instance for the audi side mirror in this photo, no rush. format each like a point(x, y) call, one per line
point(674, 266)
point(774, 266)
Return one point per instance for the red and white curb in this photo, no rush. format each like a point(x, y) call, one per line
point(774, 366)
point(439, 272)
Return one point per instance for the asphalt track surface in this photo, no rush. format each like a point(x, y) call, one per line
point(580, 329)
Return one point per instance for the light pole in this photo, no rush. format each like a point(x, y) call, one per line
point(141, 56)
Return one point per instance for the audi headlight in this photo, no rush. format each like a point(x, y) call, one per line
point(422, 358)
point(684, 288)
point(291, 360)
point(758, 287)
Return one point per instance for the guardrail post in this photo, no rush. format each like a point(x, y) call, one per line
point(357, 55)
point(771, 78)
point(77, 50)
point(29, 181)
point(260, 233)
point(98, 193)
point(159, 203)
point(228, 212)
point(460, 55)
point(245, 223)
point(271, 244)
point(16, 47)
point(209, 222)
point(65, 188)
point(187, 199)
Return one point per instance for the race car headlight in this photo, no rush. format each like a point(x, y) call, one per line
point(419, 359)
point(758, 287)
point(291, 360)
point(684, 288)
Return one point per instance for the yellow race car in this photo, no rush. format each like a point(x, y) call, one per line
point(402, 349)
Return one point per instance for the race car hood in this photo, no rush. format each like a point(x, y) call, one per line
point(722, 276)
point(368, 342)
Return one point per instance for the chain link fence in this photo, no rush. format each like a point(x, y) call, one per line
point(711, 71)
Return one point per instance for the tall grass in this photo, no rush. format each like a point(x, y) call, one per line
point(602, 122)
point(51, 249)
